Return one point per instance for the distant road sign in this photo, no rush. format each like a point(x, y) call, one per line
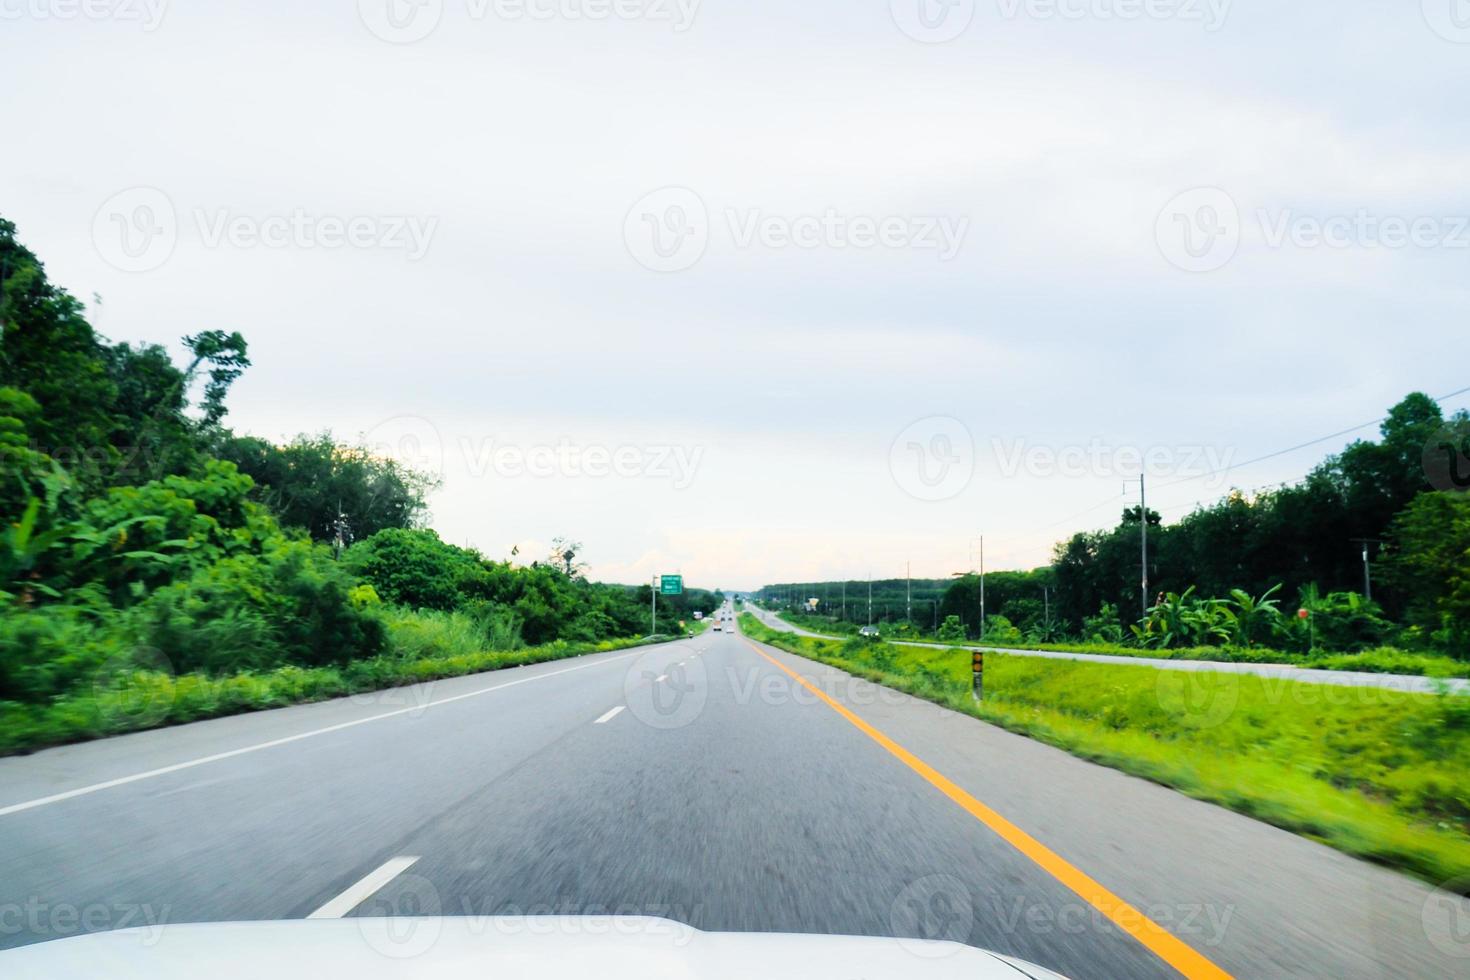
point(670, 584)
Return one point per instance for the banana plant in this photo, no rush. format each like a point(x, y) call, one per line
point(1254, 616)
point(21, 548)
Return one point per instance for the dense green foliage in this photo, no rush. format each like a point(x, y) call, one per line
point(1376, 773)
point(145, 548)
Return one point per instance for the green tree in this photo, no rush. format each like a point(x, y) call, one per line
point(312, 479)
point(1428, 561)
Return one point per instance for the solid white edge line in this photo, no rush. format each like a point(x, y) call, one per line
point(609, 716)
point(356, 894)
point(165, 770)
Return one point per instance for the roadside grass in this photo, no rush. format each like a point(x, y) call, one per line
point(426, 646)
point(1379, 774)
point(1382, 660)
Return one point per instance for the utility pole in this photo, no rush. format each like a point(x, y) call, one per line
point(653, 610)
point(844, 600)
point(908, 584)
point(1143, 541)
point(1046, 606)
point(870, 598)
point(1367, 576)
point(982, 586)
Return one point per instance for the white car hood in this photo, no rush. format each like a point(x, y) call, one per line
point(452, 948)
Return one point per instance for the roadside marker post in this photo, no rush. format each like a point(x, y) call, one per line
point(977, 664)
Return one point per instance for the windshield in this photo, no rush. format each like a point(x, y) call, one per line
point(894, 489)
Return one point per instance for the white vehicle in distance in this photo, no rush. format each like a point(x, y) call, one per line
point(869, 631)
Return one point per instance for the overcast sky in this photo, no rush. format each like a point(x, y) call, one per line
point(763, 291)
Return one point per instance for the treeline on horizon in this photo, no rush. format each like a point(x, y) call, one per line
point(1236, 572)
point(142, 534)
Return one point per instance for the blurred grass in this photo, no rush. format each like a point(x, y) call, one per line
point(1383, 660)
point(1383, 775)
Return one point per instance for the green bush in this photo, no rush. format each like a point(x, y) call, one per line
point(251, 612)
point(51, 649)
point(413, 568)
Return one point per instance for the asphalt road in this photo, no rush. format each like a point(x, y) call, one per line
point(1308, 675)
point(702, 782)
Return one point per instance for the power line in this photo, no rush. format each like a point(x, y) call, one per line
point(1304, 445)
point(1198, 476)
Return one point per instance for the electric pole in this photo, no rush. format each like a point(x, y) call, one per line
point(1367, 576)
point(1143, 541)
point(982, 586)
point(908, 584)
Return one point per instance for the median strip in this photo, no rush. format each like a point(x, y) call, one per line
point(1163, 944)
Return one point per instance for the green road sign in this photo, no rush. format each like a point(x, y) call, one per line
point(670, 584)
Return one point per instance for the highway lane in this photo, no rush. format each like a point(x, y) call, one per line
point(1410, 683)
point(697, 780)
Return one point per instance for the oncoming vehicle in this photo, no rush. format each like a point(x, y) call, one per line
point(869, 631)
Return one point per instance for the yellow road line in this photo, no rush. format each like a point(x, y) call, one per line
point(1162, 943)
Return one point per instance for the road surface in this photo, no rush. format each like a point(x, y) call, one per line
point(705, 782)
point(1307, 675)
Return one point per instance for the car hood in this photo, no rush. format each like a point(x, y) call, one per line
point(607, 947)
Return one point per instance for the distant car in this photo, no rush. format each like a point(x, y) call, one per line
point(869, 631)
point(717, 627)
